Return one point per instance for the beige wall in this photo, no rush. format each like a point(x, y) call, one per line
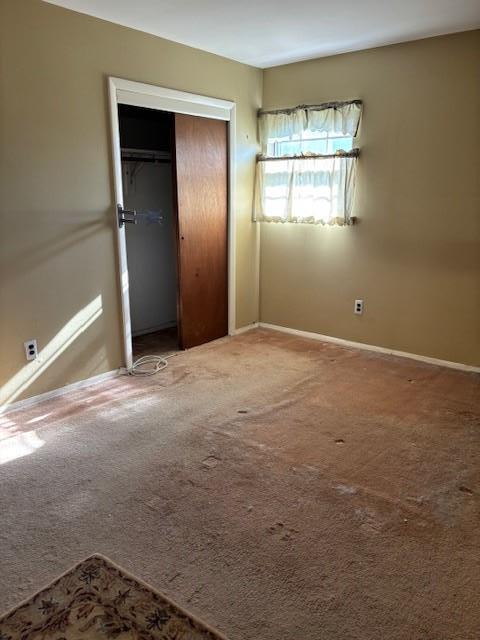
point(57, 231)
point(415, 255)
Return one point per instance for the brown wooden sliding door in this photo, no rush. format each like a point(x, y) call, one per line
point(200, 167)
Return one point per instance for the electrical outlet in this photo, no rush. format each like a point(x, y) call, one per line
point(31, 351)
point(358, 308)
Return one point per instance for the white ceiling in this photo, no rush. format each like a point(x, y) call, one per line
point(266, 33)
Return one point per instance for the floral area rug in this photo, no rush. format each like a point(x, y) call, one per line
point(97, 599)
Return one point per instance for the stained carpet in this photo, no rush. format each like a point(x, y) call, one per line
point(276, 487)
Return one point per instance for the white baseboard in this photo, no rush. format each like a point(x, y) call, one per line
point(56, 393)
point(369, 347)
point(247, 327)
point(75, 386)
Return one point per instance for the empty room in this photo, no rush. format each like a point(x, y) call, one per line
point(239, 320)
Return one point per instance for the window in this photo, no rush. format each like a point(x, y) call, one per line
point(306, 172)
point(310, 142)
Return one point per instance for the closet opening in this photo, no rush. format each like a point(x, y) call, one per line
point(171, 173)
point(146, 142)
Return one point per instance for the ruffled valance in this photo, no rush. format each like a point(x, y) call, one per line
point(331, 117)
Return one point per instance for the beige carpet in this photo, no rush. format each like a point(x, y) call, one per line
point(96, 599)
point(276, 487)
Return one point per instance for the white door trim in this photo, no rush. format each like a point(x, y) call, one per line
point(151, 96)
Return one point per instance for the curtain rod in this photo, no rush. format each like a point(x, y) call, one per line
point(354, 153)
point(317, 107)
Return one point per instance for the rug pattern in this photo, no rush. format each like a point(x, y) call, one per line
point(96, 599)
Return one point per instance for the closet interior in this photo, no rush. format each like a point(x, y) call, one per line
point(146, 137)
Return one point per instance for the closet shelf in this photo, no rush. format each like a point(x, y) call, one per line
point(144, 155)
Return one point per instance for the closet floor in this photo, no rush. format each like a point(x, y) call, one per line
point(159, 343)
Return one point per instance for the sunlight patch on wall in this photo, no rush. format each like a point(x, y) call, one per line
point(79, 323)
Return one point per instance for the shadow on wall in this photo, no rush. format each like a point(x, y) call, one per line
point(68, 257)
point(75, 327)
point(78, 228)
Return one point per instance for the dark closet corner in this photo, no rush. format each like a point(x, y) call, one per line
point(142, 128)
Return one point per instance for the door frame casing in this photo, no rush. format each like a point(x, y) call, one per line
point(150, 96)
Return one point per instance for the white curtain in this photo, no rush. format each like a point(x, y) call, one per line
point(342, 119)
point(315, 190)
point(281, 125)
point(312, 190)
point(286, 124)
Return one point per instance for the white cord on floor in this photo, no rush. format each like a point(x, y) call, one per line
point(149, 365)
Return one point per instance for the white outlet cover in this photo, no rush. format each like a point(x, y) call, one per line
point(358, 307)
point(31, 351)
